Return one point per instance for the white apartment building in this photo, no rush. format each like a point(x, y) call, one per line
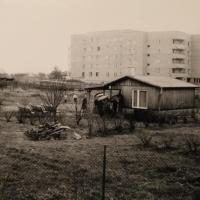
point(108, 55)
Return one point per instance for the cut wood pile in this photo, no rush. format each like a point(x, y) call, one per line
point(50, 131)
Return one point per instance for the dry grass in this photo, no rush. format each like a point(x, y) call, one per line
point(72, 169)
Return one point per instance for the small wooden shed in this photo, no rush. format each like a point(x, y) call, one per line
point(153, 93)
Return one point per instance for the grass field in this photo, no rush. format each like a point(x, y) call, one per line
point(72, 169)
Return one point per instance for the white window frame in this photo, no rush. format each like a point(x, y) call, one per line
point(138, 98)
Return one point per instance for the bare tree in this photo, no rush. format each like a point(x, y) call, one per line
point(53, 96)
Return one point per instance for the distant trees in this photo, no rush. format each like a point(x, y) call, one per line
point(55, 74)
point(41, 75)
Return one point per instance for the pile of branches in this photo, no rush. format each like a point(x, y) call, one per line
point(47, 131)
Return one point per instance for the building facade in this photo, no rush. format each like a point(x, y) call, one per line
point(108, 55)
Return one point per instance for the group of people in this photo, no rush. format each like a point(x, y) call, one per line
point(106, 107)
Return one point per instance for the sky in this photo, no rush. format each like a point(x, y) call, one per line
point(35, 34)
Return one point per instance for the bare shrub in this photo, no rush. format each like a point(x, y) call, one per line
point(167, 139)
point(103, 124)
point(90, 117)
point(192, 142)
point(145, 138)
point(130, 123)
point(1, 105)
point(53, 95)
point(7, 114)
point(117, 122)
point(77, 105)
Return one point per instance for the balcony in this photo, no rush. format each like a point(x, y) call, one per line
point(178, 46)
point(180, 71)
point(178, 41)
point(179, 66)
point(178, 56)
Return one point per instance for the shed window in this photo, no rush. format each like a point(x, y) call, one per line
point(139, 99)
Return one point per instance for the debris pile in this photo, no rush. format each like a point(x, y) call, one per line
point(48, 131)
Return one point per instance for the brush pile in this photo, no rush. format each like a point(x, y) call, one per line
point(47, 131)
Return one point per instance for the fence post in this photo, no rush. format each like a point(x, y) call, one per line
point(104, 173)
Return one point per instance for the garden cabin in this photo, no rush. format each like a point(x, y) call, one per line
point(161, 94)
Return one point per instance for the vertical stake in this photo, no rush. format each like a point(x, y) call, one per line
point(104, 173)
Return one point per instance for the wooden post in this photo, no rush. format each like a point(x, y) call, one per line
point(104, 173)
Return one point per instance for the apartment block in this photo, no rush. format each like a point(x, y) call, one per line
point(108, 55)
point(169, 54)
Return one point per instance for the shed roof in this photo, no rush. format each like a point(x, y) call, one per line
point(157, 81)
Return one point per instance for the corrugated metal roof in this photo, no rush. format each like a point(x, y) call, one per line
point(159, 81)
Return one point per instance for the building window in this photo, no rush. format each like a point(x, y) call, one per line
point(115, 39)
point(157, 51)
point(189, 71)
point(84, 49)
point(97, 66)
point(121, 39)
point(97, 57)
point(120, 65)
point(148, 45)
point(90, 74)
point(97, 39)
point(115, 57)
point(134, 51)
point(107, 65)
point(139, 99)
point(115, 73)
point(90, 65)
point(83, 74)
point(91, 39)
point(115, 65)
point(157, 41)
point(188, 44)
point(107, 57)
point(157, 70)
point(83, 57)
point(188, 62)
point(128, 42)
point(148, 55)
point(134, 42)
point(107, 48)
point(128, 51)
point(129, 60)
point(98, 48)
point(148, 64)
point(83, 41)
point(157, 60)
point(97, 73)
point(107, 73)
point(91, 57)
point(83, 65)
point(90, 49)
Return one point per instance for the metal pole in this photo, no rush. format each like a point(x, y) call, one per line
point(104, 174)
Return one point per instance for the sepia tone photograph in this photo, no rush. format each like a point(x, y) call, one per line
point(99, 100)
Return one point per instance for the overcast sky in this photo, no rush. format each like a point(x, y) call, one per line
point(35, 34)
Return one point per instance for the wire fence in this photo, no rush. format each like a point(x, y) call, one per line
point(109, 172)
